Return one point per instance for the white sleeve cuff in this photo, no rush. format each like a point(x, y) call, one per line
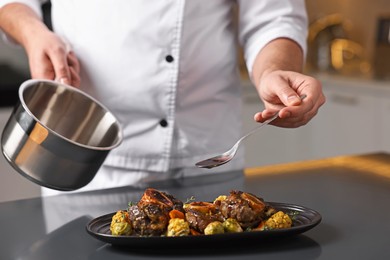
point(262, 21)
point(253, 49)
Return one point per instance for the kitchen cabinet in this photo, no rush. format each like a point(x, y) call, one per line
point(355, 119)
point(349, 122)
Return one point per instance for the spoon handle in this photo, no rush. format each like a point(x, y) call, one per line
point(266, 122)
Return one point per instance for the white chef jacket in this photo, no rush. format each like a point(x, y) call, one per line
point(168, 71)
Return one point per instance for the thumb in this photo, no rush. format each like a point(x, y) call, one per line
point(292, 99)
point(285, 91)
point(288, 96)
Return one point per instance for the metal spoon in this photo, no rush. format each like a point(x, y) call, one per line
point(228, 155)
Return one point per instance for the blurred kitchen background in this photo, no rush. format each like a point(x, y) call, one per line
point(349, 51)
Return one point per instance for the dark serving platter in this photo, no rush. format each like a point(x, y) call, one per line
point(304, 219)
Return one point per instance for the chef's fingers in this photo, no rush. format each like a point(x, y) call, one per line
point(73, 61)
point(295, 119)
point(74, 68)
point(282, 110)
point(74, 77)
point(293, 116)
point(60, 64)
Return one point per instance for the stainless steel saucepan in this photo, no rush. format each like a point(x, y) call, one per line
point(58, 136)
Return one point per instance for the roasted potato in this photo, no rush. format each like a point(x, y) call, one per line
point(120, 224)
point(178, 227)
point(278, 220)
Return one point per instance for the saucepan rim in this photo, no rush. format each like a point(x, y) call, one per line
point(31, 82)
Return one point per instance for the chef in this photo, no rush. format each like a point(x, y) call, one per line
point(168, 71)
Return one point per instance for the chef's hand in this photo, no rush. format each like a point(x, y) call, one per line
point(281, 90)
point(50, 58)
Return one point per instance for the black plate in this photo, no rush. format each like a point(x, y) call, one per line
point(303, 220)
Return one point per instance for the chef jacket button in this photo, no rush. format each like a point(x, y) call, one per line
point(169, 58)
point(163, 123)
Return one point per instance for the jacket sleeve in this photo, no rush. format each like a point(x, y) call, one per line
point(261, 21)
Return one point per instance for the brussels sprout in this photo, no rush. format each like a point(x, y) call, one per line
point(120, 224)
point(215, 227)
point(178, 227)
point(231, 226)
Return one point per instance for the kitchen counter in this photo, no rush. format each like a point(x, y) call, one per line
point(352, 193)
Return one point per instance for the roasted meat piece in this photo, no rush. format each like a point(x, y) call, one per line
point(200, 214)
point(150, 217)
point(246, 208)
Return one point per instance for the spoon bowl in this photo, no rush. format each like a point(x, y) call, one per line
point(228, 155)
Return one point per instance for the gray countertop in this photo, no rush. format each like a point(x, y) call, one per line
point(352, 193)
